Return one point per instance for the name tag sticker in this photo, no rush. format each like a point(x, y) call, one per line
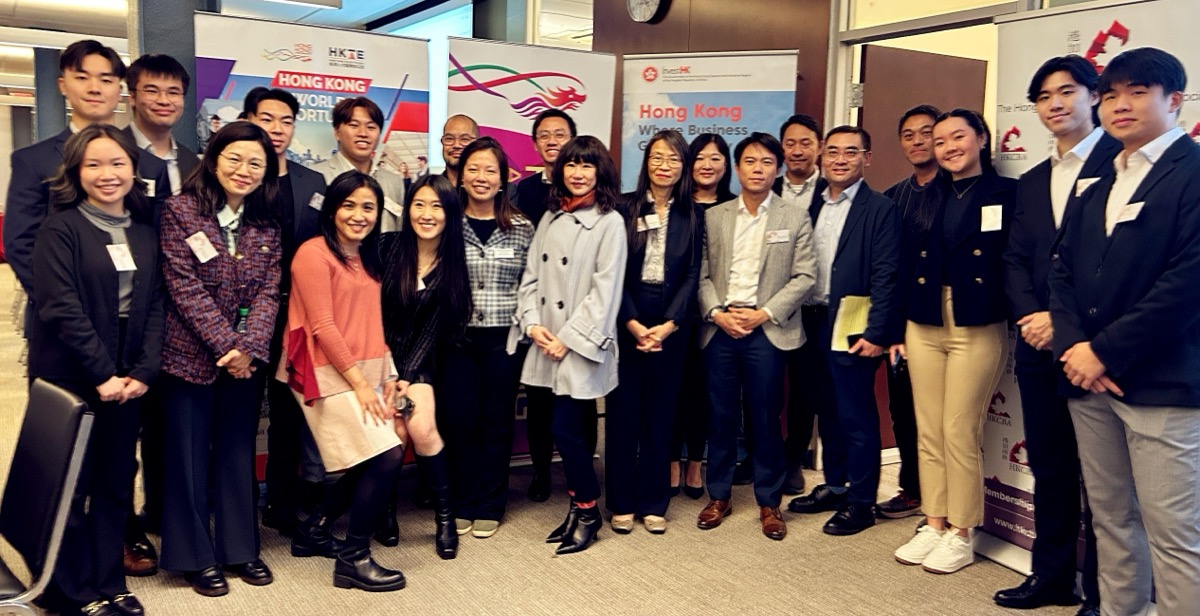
point(1082, 184)
point(991, 218)
point(420, 283)
point(316, 201)
point(1130, 212)
point(395, 208)
point(503, 253)
point(121, 257)
point(201, 247)
point(149, 188)
point(779, 236)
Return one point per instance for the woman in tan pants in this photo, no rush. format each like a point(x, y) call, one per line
point(956, 338)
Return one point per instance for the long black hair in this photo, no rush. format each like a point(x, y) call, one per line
point(681, 192)
point(977, 124)
point(262, 206)
point(66, 189)
point(450, 279)
point(503, 208)
point(588, 150)
point(724, 193)
point(339, 190)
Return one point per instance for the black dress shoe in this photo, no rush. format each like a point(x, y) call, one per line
point(127, 604)
point(255, 572)
point(820, 499)
point(850, 519)
point(209, 581)
point(1088, 609)
point(794, 483)
point(584, 532)
point(539, 488)
point(693, 493)
point(1035, 592)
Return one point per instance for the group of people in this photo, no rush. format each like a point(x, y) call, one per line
point(379, 314)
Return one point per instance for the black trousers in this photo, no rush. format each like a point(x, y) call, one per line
point(210, 434)
point(571, 424)
point(1054, 462)
point(811, 394)
point(691, 417)
point(286, 421)
point(476, 412)
point(89, 565)
point(904, 428)
point(151, 418)
point(539, 422)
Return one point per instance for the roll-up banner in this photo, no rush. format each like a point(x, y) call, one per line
point(504, 86)
point(1025, 42)
point(730, 94)
point(321, 66)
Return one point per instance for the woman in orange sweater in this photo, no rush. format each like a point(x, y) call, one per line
point(341, 372)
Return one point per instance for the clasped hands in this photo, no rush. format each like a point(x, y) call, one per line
point(739, 322)
point(1086, 371)
point(237, 363)
point(650, 339)
point(121, 389)
point(550, 345)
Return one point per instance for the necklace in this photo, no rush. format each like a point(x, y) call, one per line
point(960, 195)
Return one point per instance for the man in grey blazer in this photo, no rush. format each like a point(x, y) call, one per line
point(759, 265)
point(358, 126)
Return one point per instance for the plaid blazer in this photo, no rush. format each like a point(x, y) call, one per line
point(203, 298)
point(495, 269)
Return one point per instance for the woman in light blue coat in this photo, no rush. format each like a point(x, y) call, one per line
point(569, 297)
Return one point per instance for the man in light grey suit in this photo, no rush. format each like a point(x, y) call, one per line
point(357, 126)
point(759, 265)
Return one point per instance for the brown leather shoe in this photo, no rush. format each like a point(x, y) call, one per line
point(772, 523)
point(139, 564)
point(713, 513)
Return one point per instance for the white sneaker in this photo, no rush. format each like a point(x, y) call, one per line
point(917, 548)
point(953, 553)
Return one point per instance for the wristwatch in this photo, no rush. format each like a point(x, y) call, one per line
point(712, 313)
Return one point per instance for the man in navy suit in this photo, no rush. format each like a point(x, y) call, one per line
point(302, 191)
point(90, 78)
point(1064, 92)
point(157, 85)
point(1123, 305)
point(856, 232)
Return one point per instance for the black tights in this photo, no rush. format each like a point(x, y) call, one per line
point(364, 490)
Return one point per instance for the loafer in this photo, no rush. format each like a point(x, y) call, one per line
point(1037, 591)
point(138, 564)
point(656, 524)
point(622, 523)
point(820, 499)
point(100, 607)
point(482, 529)
point(255, 572)
point(713, 514)
point(128, 604)
point(899, 506)
point(850, 519)
point(209, 581)
point(773, 525)
point(462, 526)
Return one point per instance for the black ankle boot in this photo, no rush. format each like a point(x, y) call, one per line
point(445, 540)
point(388, 532)
point(313, 538)
point(568, 524)
point(584, 533)
point(355, 568)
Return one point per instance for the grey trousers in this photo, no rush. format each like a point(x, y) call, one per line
point(1141, 465)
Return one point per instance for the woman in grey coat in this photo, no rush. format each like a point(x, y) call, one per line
point(569, 297)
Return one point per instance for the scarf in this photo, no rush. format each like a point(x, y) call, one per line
point(570, 204)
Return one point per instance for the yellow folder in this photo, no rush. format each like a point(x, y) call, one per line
point(851, 320)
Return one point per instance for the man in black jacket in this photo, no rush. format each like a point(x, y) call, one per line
point(1123, 298)
point(157, 85)
point(552, 129)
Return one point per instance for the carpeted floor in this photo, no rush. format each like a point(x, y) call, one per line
point(729, 570)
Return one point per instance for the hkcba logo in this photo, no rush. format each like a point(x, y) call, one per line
point(1010, 149)
point(300, 51)
point(344, 57)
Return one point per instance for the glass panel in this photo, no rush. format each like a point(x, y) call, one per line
point(867, 13)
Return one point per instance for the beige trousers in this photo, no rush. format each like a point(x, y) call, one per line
point(955, 371)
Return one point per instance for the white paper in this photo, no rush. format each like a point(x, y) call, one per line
point(779, 236)
point(149, 188)
point(652, 221)
point(1082, 184)
point(201, 247)
point(991, 218)
point(503, 253)
point(1130, 212)
point(121, 257)
point(316, 201)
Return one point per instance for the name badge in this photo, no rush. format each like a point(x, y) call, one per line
point(649, 222)
point(149, 188)
point(503, 253)
point(201, 247)
point(121, 257)
point(420, 283)
point(1082, 184)
point(395, 208)
point(779, 236)
point(991, 218)
point(1130, 212)
point(316, 201)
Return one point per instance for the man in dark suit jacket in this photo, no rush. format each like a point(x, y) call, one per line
point(90, 78)
point(856, 232)
point(552, 129)
point(1123, 298)
point(1064, 92)
point(303, 193)
point(157, 85)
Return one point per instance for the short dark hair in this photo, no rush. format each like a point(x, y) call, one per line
point(344, 110)
point(975, 120)
point(274, 94)
point(806, 121)
point(1145, 66)
point(1082, 72)
point(552, 113)
point(250, 102)
point(590, 150)
point(157, 65)
point(66, 189)
point(851, 130)
point(262, 207)
point(338, 191)
point(925, 110)
point(763, 139)
point(72, 57)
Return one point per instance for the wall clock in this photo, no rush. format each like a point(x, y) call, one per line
point(645, 11)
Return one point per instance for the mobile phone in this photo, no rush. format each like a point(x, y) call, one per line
point(404, 407)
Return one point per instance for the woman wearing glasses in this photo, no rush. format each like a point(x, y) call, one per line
point(220, 241)
point(665, 236)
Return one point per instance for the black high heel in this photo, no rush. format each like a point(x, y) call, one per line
point(568, 523)
point(583, 534)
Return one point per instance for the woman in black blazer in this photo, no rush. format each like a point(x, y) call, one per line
point(956, 338)
point(98, 297)
point(661, 276)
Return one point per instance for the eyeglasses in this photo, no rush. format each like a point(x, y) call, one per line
point(236, 162)
point(669, 161)
point(173, 94)
point(558, 135)
point(850, 154)
point(463, 139)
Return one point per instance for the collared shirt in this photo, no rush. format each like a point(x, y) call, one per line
point(393, 191)
point(799, 194)
point(1064, 171)
point(745, 266)
point(1131, 170)
point(494, 268)
point(654, 268)
point(826, 234)
point(172, 158)
point(230, 221)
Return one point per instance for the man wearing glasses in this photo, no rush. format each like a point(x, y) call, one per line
point(157, 85)
point(856, 233)
point(457, 134)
